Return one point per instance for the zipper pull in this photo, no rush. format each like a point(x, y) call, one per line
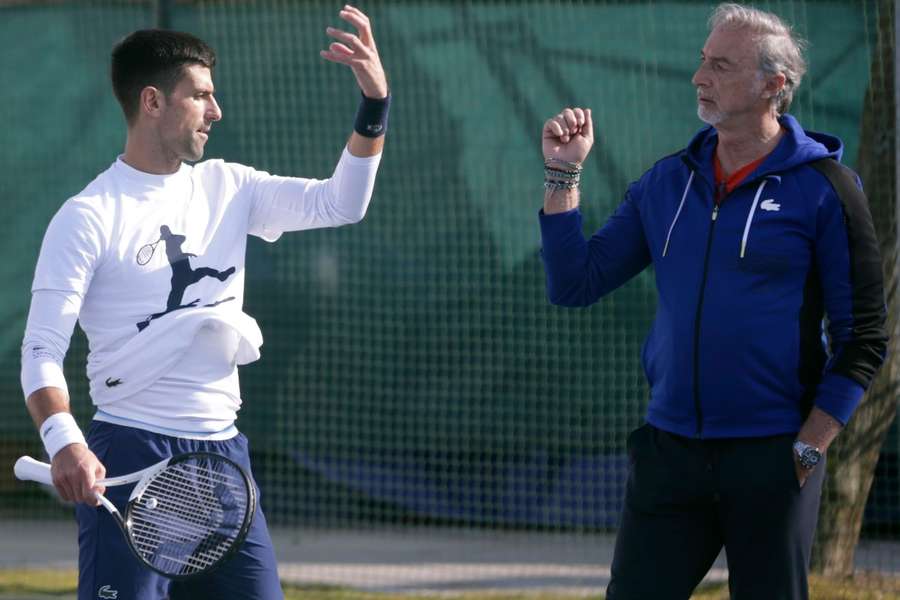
point(715, 212)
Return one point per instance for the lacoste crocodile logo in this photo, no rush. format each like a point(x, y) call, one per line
point(110, 382)
point(770, 205)
point(107, 593)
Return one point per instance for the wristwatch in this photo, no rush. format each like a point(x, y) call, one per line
point(809, 455)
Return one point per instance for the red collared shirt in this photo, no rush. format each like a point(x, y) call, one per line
point(724, 185)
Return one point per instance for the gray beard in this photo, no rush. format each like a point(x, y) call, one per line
point(710, 117)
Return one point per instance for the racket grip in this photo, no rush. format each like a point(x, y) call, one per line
point(28, 469)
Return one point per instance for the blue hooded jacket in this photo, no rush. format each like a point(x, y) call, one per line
point(738, 347)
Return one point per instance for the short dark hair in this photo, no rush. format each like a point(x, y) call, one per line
point(154, 57)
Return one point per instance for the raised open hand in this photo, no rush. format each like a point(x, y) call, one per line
point(358, 52)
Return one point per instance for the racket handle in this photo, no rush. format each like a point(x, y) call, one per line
point(28, 469)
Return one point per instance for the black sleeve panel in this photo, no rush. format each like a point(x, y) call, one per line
point(863, 354)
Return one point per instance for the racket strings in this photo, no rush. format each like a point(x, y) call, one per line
point(171, 539)
point(190, 516)
point(194, 499)
point(213, 492)
point(201, 508)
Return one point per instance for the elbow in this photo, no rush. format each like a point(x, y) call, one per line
point(871, 347)
point(860, 360)
point(881, 350)
point(349, 218)
point(350, 213)
point(358, 215)
point(571, 282)
point(572, 297)
point(567, 303)
point(572, 288)
point(564, 303)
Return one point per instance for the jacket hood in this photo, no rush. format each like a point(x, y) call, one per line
point(795, 148)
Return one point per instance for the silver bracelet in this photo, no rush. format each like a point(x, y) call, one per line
point(563, 164)
point(554, 185)
point(552, 173)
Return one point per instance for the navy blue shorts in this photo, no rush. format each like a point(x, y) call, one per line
point(106, 567)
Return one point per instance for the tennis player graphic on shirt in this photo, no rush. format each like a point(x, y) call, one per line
point(183, 275)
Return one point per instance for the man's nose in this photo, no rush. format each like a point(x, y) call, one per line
point(699, 79)
point(214, 112)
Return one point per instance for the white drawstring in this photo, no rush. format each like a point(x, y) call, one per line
point(750, 216)
point(677, 213)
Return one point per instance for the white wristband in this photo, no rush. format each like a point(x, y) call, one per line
point(58, 431)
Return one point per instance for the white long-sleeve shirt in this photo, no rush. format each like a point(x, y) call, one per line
point(152, 267)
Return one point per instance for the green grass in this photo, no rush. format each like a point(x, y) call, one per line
point(865, 586)
point(46, 583)
point(313, 593)
point(61, 583)
point(36, 581)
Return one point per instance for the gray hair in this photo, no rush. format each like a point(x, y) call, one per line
point(780, 49)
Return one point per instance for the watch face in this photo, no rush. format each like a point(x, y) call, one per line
point(809, 458)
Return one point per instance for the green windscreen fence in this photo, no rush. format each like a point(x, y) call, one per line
point(413, 373)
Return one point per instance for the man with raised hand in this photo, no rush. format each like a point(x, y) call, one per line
point(165, 325)
point(756, 233)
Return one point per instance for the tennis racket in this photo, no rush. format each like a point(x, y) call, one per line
point(186, 515)
point(145, 253)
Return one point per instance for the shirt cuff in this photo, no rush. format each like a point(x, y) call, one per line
point(839, 396)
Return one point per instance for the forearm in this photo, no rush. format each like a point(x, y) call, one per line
point(55, 305)
point(850, 271)
point(62, 438)
point(75, 468)
point(364, 147)
point(819, 430)
point(581, 271)
point(561, 200)
point(51, 320)
point(45, 402)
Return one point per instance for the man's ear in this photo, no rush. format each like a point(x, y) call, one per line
point(774, 84)
point(152, 101)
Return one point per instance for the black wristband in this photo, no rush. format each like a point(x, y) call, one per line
point(372, 116)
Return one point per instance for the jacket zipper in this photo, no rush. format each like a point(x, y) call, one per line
point(699, 409)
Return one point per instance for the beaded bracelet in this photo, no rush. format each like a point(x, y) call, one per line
point(551, 172)
point(561, 174)
point(553, 185)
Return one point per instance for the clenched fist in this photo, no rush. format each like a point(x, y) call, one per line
point(569, 135)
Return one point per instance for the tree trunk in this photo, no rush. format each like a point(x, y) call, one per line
point(853, 456)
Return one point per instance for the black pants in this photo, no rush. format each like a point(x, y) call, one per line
point(687, 498)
